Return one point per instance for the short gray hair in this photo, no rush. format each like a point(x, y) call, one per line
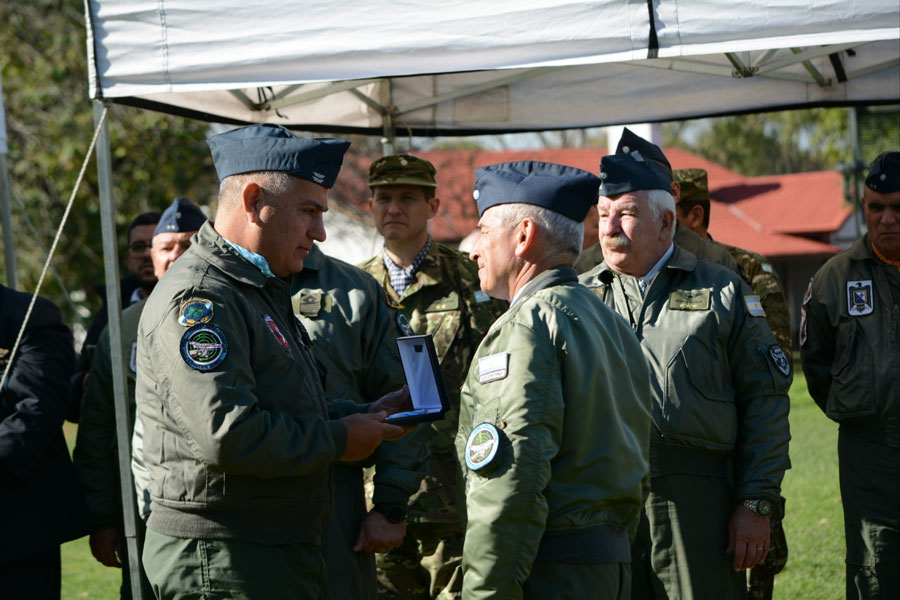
point(274, 183)
point(661, 202)
point(564, 236)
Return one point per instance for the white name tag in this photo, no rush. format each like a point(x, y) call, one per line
point(493, 367)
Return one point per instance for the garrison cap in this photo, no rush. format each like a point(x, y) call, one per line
point(270, 147)
point(694, 185)
point(633, 144)
point(885, 174)
point(620, 173)
point(566, 190)
point(181, 216)
point(402, 169)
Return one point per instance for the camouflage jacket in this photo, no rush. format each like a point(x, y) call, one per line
point(445, 300)
point(761, 275)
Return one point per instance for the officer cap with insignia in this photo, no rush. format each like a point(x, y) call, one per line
point(181, 216)
point(270, 147)
point(620, 173)
point(884, 177)
point(632, 144)
point(694, 185)
point(566, 190)
point(402, 169)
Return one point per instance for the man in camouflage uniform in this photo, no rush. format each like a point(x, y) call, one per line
point(850, 348)
point(693, 213)
point(353, 332)
point(437, 289)
point(637, 147)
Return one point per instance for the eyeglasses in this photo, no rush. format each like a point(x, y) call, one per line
point(138, 247)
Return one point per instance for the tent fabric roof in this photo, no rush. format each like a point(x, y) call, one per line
point(766, 214)
point(442, 68)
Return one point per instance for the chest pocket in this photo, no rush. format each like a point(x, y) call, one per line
point(442, 319)
point(852, 392)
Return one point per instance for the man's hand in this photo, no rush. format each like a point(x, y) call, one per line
point(748, 538)
point(394, 402)
point(105, 546)
point(365, 431)
point(377, 534)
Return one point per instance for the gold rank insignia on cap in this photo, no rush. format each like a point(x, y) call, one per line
point(689, 300)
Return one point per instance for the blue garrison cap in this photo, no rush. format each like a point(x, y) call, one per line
point(636, 146)
point(270, 147)
point(181, 216)
point(566, 190)
point(885, 174)
point(620, 173)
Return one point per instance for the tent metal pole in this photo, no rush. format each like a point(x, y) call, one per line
point(124, 419)
point(387, 120)
point(9, 243)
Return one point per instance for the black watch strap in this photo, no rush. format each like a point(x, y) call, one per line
point(394, 513)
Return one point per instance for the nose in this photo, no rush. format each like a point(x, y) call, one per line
point(609, 226)
point(317, 228)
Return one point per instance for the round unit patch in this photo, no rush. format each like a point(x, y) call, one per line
point(204, 347)
point(195, 311)
point(481, 447)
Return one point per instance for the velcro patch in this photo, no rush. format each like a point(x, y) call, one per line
point(195, 311)
point(689, 300)
point(860, 299)
point(481, 296)
point(481, 447)
point(767, 267)
point(779, 359)
point(754, 306)
point(308, 305)
point(493, 367)
point(403, 324)
point(204, 347)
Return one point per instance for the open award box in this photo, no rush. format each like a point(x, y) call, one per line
point(426, 384)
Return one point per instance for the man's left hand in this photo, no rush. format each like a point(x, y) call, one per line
point(748, 538)
point(377, 534)
point(393, 403)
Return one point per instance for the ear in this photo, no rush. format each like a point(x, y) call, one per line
point(694, 217)
point(525, 237)
point(252, 202)
point(676, 191)
point(433, 205)
point(668, 222)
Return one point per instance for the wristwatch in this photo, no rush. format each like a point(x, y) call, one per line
point(761, 506)
point(394, 513)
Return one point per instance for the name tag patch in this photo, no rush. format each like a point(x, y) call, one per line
point(481, 447)
point(689, 300)
point(754, 306)
point(308, 305)
point(493, 367)
point(860, 299)
point(204, 347)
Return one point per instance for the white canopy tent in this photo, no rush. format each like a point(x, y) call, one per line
point(462, 67)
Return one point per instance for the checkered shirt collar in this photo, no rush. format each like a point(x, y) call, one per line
point(401, 278)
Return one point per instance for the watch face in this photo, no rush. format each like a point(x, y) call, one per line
point(395, 514)
point(763, 508)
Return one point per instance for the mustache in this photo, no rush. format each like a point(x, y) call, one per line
point(615, 241)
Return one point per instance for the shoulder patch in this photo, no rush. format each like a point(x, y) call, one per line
point(481, 447)
point(493, 367)
point(204, 347)
point(277, 333)
point(767, 267)
point(780, 360)
point(195, 311)
point(132, 362)
point(481, 296)
point(808, 295)
point(804, 319)
point(754, 306)
point(860, 300)
point(689, 300)
point(403, 324)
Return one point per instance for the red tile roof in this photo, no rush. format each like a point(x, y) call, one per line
point(766, 214)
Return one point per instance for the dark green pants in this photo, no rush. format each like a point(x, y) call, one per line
point(870, 494)
point(557, 581)
point(679, 550)
point(197, 569)
point(351, 575)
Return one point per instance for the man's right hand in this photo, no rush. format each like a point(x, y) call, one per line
point(365, 431)
point(105, 546)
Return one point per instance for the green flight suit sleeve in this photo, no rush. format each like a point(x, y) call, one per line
point(505, 504)
point(221, 419)
point(95, 444)
point(761, 386)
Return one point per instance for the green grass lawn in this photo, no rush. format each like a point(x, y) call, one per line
point(814, 523)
